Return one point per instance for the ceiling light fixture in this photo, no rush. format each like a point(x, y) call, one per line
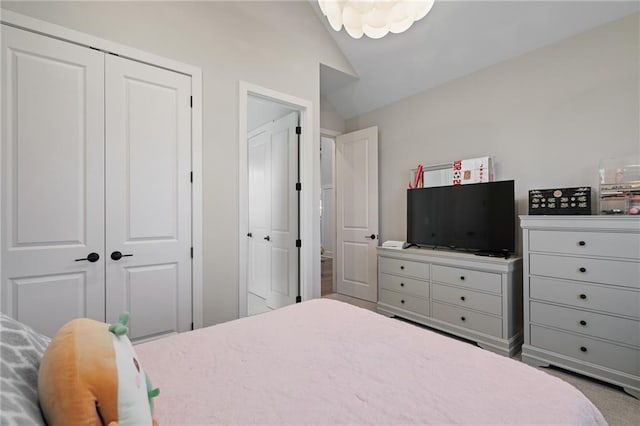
point(375, 18)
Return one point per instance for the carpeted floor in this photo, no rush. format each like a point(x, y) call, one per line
point(617, 407)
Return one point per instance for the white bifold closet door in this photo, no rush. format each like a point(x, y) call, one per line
point(75, 191)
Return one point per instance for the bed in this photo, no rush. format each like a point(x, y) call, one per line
point(327, 362)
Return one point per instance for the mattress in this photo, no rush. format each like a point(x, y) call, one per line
point(327, 362)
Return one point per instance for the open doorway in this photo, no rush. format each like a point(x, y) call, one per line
point(327, 214)
point(275, 212)
point(273, 163)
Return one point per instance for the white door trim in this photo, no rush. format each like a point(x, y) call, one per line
point(61, 33)
point(309, 219)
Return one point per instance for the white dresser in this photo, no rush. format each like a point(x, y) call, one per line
point(582, 295)
point(474, 297)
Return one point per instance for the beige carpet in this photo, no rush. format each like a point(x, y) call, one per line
point(616, 406)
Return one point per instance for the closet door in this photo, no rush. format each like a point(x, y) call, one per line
point(283, 283)
point(52, 175)
point(148, 193)
point(259, 260)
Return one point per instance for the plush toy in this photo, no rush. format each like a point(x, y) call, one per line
point(90, 375)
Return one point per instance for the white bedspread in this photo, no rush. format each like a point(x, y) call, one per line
point(326, 362)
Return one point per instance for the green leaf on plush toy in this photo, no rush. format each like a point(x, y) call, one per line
point(151, 393)
point(120, 328)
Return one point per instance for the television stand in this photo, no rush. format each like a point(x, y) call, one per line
point(476, 298)
point(502, 253)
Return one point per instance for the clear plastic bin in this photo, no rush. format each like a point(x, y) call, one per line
point(620, 186)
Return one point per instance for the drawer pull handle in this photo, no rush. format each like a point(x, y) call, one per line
point(463, 318)
point(462, 298)
point(583, 349)
point(582, 243)
point(401, 267)
point(582, 269)
point(402, 301)
point(583, 296)
point(583, 322)
point(401, 284)
point(462, 278)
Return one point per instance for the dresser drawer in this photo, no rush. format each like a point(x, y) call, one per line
point(610, 244)
point(485, 281)
point(404, 267)
point(586, 269)
point(606, 299)
point(584, 322)
point(404, 285)
point(484, 302)
point(586, 349)
point(404, 301)
point(469, 319)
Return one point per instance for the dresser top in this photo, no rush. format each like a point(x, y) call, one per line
point(450, 257)
point(624, 223)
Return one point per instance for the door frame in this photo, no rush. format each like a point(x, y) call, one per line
point(309, 215)
point(28, 23)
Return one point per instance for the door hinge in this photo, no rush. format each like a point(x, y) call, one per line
point(191, 252)
point(298, 243)
point(298, 186)
point(191, 101)
point(298, 130)
point(191, 177)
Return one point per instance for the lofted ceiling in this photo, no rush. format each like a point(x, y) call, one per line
point(455, 39)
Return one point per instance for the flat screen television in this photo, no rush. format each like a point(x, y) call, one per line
point(476, 217)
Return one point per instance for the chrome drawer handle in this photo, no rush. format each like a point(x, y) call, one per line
point(582, 269)
point(583, 349)
point(583, 323)
point(582, 243)
point(583, 296)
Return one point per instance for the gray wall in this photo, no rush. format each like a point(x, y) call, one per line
point(329, 117)
point(547, 117)
point(257, 42)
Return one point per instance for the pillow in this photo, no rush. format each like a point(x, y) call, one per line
point(21, 350)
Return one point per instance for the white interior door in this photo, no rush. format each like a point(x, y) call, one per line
point(148, 192)
point(259, 157)
point(357, 213)
point(52, 180)
point(283, 286)
point(273, 214)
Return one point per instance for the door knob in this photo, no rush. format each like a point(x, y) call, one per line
point(91, 257)
point(116, 255)
point(268, 238)
point(372, 236)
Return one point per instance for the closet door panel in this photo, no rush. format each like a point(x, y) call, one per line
point(148, 191)
point(259, 260)
point(284, 213)
point(52, 180)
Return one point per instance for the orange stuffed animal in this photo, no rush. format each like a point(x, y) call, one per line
point(90, 375)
